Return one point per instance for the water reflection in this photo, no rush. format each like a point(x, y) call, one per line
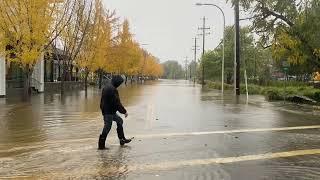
point(52, 115)
point(54, 134)
point(22, 121)
point(113, 165)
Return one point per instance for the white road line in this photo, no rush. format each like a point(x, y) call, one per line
point(148, 136)
point(227, 160)
point(169, 165)
point(230, 131)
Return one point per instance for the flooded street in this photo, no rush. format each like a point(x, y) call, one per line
point(180, 130)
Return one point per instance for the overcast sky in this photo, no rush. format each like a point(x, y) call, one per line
point(169, 26)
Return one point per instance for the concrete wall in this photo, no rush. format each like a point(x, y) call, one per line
point(68, 85)
point(2, 77)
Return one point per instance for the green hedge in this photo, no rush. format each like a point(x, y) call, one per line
point(274, 93)
point(217, 85)
point(286, 83)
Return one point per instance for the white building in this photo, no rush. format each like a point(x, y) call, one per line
point(37, 79)
point(47, 70)
point(2, 77)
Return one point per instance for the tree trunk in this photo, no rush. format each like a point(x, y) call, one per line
point(26, 86)
point(229, 78)
point(86, 82)
point(63, 77)
point(70, 78)
point(100, 78)
point(77, 75)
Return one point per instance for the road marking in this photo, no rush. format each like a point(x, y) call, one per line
point(148, 136)
point(230, 131)
point(227, 160)
point(163, 166)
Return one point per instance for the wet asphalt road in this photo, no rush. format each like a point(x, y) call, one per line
point(181, 132)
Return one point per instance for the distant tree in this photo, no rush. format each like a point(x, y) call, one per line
point(255, 59)
point(173, 70)
point(290, 27)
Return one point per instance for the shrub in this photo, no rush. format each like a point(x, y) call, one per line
point(217, 85)
point(274, 95)
point(286, 83)
point(316, 96)
point(253, 89)
point(277, 92)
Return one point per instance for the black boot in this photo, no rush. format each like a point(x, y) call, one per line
point(121, 136)
point(102, 143)
point(124, 141)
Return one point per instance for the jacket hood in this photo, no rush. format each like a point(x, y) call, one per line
point(117, 81)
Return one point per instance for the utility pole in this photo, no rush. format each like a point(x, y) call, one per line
point(237, 48)
point(190, 69)
point(195, 49)
point(204, 28)
point(255, 62)
point(186, 66)
point(223, 47)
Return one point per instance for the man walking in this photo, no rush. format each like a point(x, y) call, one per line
point(110, 104)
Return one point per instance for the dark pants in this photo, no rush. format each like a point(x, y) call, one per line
point(108, 119)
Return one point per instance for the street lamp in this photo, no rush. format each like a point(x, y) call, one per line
point(224, 27)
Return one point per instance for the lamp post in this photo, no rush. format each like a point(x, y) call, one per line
point(223, 48)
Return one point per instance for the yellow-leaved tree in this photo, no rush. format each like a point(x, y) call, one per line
point(152, 67)
point(134, 60)
point(27, 28)
point(104, 44)
point(103, 52)
point(73, 37)
point(127, 52)
point(121, 49)
point(96, 51)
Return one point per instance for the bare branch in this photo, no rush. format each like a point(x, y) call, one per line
point(58, 32)
point(85, 30)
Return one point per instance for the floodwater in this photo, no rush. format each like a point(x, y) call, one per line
point(181, 132)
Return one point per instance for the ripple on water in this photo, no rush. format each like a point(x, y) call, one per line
point(296, 171)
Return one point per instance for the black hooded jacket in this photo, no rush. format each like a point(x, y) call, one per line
point(110, 100)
